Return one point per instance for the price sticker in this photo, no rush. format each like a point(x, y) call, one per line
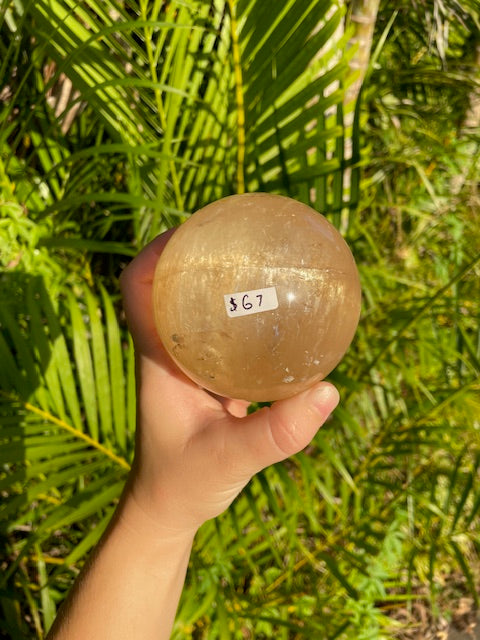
point(244, 303)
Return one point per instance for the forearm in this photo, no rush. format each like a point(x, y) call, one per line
point(132, 584)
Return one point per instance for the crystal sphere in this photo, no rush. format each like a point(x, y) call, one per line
point(256, 297)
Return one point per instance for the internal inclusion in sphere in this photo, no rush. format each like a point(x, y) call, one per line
point(256, 297)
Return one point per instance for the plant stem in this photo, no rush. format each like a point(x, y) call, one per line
point(67, 427)
point(5, 182)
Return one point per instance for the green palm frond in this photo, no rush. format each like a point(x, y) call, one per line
point(64, 458)
point(118, 120)
point(180, 90)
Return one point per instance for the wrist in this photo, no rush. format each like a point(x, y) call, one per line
point(146, 520)
point(131, 584)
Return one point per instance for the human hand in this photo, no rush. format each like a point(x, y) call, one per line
point(195, 451)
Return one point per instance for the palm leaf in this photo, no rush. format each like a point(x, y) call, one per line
point(187, 111)
point(175, 104)
point(61, 464)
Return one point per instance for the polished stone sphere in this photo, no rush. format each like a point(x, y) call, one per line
point(256, 297)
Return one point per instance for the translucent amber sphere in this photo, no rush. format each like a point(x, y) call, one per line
point(256, 297)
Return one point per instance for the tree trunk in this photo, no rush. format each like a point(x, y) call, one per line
point(362, 17)
point(470, 121)
point(472, 114)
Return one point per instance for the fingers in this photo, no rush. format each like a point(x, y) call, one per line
point(275, 433)
point(237, 408)
point(136, 286)
point(136, 283)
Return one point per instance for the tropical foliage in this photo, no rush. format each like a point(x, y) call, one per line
point(118, 118)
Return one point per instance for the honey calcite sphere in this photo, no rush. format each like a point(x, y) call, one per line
point(256, 297)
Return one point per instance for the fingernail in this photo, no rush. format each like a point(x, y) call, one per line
point(325, 398)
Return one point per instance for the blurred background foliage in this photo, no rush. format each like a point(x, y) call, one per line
point(119, 118)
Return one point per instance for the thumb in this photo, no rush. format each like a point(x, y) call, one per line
point(277, 432)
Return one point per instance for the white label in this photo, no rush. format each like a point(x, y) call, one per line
point(245, 303)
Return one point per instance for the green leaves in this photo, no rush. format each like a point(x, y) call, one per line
point(67, 418)
point(117, 120)
point(63, 460)
point(161, 81)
